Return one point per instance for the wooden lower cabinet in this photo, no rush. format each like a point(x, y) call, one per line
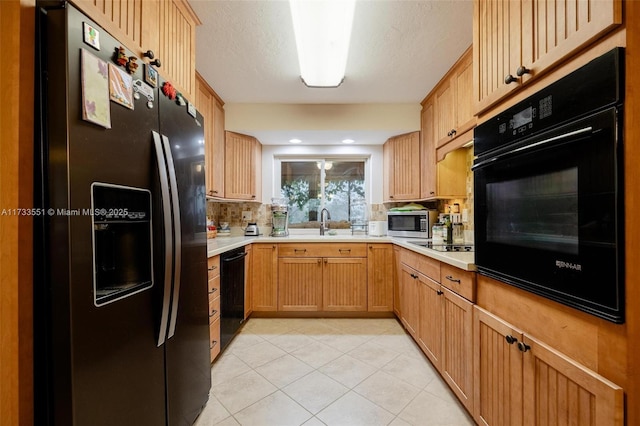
point(409, 300)
point(344, 284)
point(457, 347)
point(248, 281)
point(264, 277)
point(213, 275)
point(380, 278)
point(522, 381)
point(396, 279)
point(300, 284)
point(430, 327)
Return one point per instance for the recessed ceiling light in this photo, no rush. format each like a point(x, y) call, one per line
point(295, 140)
point(348, 141)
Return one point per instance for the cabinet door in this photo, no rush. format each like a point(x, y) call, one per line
point(380, 278)
point(204, 101)
point(559, 31)
point(299, 284)
point(428, 150)
point(387, 170)
point(177, 43)
point(457, 359)
point(239, 165)
point(430, 316)
point(397, 269)
point(409, 299)
point(559, 391)
point(215, 187)
point(248, 286)
point(132, 22)
point(497, 366)
point(445, 112)
point(497, 49)
point(405, 167)
point(462, 81)
point(264, 277)
point(344, 284)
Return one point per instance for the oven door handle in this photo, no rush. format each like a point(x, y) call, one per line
point(533, 145)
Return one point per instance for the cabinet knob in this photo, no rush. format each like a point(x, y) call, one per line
point(253, 196)
point(148, 54)
point(326, 260)
point(523, 346)
point(439, 292)
point(522, 70)
point(319, 261)
point(156, 63)
point(432, 193)
point(390, 196)
point(213, 268)
point(510, 339)
point(509, 79)
point(452, 132)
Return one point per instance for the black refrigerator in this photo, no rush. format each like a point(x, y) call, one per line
point(120, 297)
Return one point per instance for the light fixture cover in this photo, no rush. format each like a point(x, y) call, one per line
point(323, 30)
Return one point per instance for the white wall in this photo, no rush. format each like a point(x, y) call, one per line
point(373, 171)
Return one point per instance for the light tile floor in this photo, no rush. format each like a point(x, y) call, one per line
point(350, 372)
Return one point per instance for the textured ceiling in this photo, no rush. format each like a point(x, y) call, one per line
point(399, 50)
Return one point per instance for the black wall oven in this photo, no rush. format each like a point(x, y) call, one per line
point(548, 191)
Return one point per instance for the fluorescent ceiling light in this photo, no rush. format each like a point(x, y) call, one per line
point(348, 141)
point(322, 29)
point(294, 141)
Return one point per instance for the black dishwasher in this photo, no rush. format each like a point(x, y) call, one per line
point(231, 294)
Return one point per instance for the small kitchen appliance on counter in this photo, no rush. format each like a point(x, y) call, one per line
point(377, 228)
point(280, 217)
point(251, 230)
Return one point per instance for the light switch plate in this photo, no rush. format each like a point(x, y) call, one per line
point(247, 215)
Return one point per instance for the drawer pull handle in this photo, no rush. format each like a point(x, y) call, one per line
point(213, 268)
point(215, 342)
point(346, 250)
point(213, 313)
point(213, 290)
point(450, 278)
point(299, 250)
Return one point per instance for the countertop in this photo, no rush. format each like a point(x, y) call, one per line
point(463, 261)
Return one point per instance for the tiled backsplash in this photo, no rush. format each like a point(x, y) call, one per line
point(261, 213)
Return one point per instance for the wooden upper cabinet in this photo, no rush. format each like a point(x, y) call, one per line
point(515, 41)
point(177, 43)
point(428, 188)
point(165, 27)
point(211, 108)
point(243, 167)
point(453, 99)
point(402, 163)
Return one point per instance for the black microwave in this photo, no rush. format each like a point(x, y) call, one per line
point(548, 191)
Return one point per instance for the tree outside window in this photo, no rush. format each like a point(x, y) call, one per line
point(335, 185)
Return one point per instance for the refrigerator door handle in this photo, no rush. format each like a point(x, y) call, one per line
point(168, 240)
point(177, 236)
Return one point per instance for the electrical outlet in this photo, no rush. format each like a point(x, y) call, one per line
point(247, 215)
point(465, 215)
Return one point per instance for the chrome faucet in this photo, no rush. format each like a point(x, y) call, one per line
point(324, 222)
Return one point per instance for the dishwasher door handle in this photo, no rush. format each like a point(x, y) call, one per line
point(231, 259)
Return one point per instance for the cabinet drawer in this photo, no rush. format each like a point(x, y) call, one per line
point(213, 267)
point(214, 307)
point(430, 267)
point(322, 250)
point(214, 286)
point(459, 281)
point(214, 338)
point(409, 258)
